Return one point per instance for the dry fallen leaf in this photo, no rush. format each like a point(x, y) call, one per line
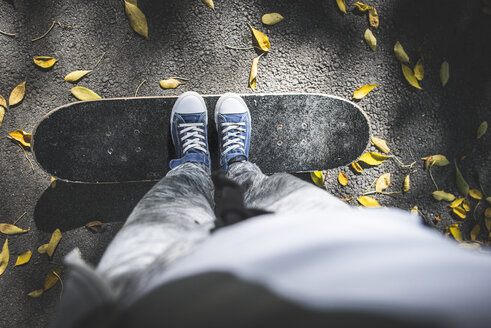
point(36, 293)
point(95, 226)
point(76, 75)
point(488, 199)
point(342, 179)
point(462, 185)
point(4, 257)
point(456, 202)
point(454, 230)
point(368, 201)
point(487, 214)
point(52, 182)
point(442, 195)
point(3, 102)
point(438, 160)
point(415, 210)
point(17, 94)
point(53, 242)
point(362, 6)
point(407, 184)
point(409, 75)
point(363, 91)
point(401, 55)
point(341, 5)
point(51, 279)
point(318, 178)
point(137, 19)
point(2, 114)
point(271, 19)
point(21, 136)
point(383, 182)
point(43, 248)
point(419, 70)
point(209, 3)
point(373, 17)
point(475, 232)
point(370, 39)
point(444, 73)
point(460, 212)
point(82, 93)
point(23, 258)
point(253, 76)
point(356, 166)
point(481, 130)
point(372, 158)
point(466, 205)
point(10, 229)
point(44, 61)
point(438, 218)
point(170, 83)
point(261, 39)
point(380, 144)
point(476, 194)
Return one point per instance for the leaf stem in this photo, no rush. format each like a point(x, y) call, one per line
point(20, 217)
point(97, 64)
point(42, 36)
point(179, 78)
point(369, 187)
point(431, 176)
point(7, 34)
point(410, 166)
point(25, 153)
point(238, 48)
point(139, 86)
point(381, 192)
point(61, 282)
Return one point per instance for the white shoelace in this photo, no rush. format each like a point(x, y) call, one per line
point(191, 130)
point(233, 140)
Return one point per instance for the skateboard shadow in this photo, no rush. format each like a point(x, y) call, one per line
point(72, 205)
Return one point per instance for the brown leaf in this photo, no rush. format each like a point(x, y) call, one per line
point(261, 39)
point(17, 94)
point(44, 61)
point(95, 226)
point(373, 17)
point(383, 182)
point(209, 3)
point(10, 229)
point(137, 19)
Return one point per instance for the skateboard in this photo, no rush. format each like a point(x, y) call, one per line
point(128, 139)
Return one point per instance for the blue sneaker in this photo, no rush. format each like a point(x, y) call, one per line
point(233, 121)
point(188, 126)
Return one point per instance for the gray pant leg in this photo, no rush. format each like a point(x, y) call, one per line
point(280, 192)
point(167, 223)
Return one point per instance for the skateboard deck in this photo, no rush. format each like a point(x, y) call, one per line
point(128, 139)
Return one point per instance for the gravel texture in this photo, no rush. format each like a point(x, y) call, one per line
point(315, 49)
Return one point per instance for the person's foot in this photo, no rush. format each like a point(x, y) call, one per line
point(233, 122)
point(189, 119)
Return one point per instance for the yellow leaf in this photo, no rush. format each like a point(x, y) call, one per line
point(476, 194)
point(475, 232)
point(444, 73)
point(21, 136)
point(362, 7)
point(488, 199)
point(170, 83)
point(456, 202)
point(373, 17)
point(261, 39)
point(481, 130)
point(82, 93)
point(401, 55)
point(253, 76)
point(76, 75)
point(407, 184)
point(36, 293)
point(23, 258)
point(53, 242)
point(363, 91)
point(52, 182)
point(17, 94)
point(3, 102)
point(466, 205)
point(487, 214)
point(368, 201)
point(454, 230)
point(356, 166)
point(209, 3)
point(409, 75)
point(438, 160)
point(343, 179)
point(419, 70)
point(372, 158)
point(44, 61)
point(383, 182)
point(4, 257)
point(462, 185)
point(137, 19)
point(370, 39)
point(460, 212)
point(415, 210)
point(43, 249)
point(133, 2)
point(271, 19)
point(51, 279)
point(380, 144)
point(10, 229)
point(341, 5)
point(2, 114)
point(318, 178)
point(442, 195)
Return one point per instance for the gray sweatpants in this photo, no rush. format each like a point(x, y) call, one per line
point(177, 214)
